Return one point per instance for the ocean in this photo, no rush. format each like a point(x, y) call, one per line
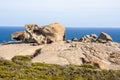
point(5, 32)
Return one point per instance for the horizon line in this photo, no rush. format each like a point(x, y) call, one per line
point(66, 26)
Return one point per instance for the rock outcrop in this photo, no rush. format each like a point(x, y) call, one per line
point(104, 37)
point(89, 38)
point(104, 56)
point(41, 35)
point(19, 36)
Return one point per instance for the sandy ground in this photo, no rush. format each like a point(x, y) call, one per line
point(11, 50)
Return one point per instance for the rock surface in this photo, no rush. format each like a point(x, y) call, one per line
point(10, 50)
point(104, 56)
point(41, 35)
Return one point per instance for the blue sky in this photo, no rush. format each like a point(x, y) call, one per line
point(70, 13)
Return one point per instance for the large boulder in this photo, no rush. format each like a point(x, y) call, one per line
point(104, 37)
point(41, 35)
point(53, 32)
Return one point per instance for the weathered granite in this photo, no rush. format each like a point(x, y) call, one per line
point(104, 56)
point(104, 37)
point(41, 35)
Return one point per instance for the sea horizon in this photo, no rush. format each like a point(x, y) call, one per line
point(68, 27)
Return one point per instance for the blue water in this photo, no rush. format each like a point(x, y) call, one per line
point(79, 32)
point(5, 32)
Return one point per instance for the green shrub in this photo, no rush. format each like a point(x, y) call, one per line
point(89, 66)
point(6, 74)
point(18, 69)
point(22, 59)
point(5, 62)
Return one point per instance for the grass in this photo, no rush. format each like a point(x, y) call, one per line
point(21, 68)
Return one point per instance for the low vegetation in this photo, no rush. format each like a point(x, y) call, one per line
point(21, 68)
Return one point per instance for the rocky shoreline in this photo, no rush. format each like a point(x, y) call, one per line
point(100, 51)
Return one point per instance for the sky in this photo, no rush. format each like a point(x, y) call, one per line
point(70, 13)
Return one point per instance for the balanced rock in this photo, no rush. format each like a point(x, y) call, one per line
point(41, 35)
point(104, 37)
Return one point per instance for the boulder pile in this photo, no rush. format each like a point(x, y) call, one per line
point(89, 38)
point(102, 38)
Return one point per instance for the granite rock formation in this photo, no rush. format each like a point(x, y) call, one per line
point(104, 56)
point(41, 35)
point(104, 37)
point(19, 36)
point(89, 38)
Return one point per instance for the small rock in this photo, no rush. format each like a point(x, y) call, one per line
point(74, 39)
point(34, 44)
point(68, 41)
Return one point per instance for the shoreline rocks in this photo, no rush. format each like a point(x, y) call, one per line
point(75, 39)
point(89, 38)
point(104, 37)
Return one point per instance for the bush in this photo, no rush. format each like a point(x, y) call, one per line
point(89, 66)
point(21, 59)
point(22, 69)
point(6, 63)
